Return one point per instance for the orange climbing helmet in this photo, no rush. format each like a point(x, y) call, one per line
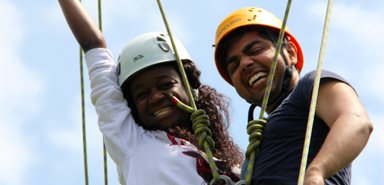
point(250, 16)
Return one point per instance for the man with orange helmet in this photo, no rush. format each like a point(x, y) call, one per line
point(245, 44)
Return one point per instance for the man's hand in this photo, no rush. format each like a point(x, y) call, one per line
point(313, 176)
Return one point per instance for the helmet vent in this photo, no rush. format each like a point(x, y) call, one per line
point(160, 39)
point(253, 18)
point(163, 44)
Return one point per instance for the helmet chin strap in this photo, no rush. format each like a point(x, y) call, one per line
point(287, 74)
point(287, 79)
point(288, 69)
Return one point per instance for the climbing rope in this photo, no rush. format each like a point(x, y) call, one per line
point(315, 91)
point(83, 123)
point(179, 63)
point(86, 177)
point(83, 119)
point(105, 159)
point(201, 129)
point(200, 123)
point(255, 127)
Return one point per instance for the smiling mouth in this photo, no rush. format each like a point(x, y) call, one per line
point(253, 81)
point(162, 111)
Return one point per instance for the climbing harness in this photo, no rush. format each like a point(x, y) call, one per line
point(315, 91)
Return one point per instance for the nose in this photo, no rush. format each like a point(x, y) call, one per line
point(245, 62)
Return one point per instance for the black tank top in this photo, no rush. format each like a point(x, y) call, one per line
point(283, 138)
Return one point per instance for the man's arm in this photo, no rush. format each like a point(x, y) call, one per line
point(86, 32)
point(339, 106)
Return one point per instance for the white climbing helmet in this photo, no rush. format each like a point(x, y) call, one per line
point(147, 50)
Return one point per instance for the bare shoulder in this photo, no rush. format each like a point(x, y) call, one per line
point(337, 99)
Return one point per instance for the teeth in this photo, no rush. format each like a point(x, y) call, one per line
point(162, 111)
point(252, 81)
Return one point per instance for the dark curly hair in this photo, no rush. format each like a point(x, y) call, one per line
point(215, 105)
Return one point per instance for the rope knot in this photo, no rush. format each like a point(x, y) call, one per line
point(200, 123)
point(255, 131)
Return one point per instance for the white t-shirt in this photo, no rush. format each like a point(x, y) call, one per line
point(142, 157)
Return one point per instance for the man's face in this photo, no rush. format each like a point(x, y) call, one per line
point(248, 61)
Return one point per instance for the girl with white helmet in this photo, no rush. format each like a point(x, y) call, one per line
point(149, 138)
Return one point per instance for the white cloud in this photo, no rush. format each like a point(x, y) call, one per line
point(354, 45)
point(354, 50)
point(372, 78)
point(19, 97)
point(360, 25)
point(20, 86)
point(15, 154)
point(66, 135)
point(363, 29)
point(363, 25)
point(12, 31)
point(130, 9)
point(69, 136)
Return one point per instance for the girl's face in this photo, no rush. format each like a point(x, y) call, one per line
point(149, 90)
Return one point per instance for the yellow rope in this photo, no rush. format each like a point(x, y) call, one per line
point(83, 123)
point(274, 63)
point(314, 97)
point(83, 119)
point(206, 145)
point(86, 176)
point(179, 63)
point(256, 142)
point(105, 158)
point(261, 121)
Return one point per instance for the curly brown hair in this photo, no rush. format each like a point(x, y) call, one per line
point(215, 105)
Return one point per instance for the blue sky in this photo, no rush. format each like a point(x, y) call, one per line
point(40, 113)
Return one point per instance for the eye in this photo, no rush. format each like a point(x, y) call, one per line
point(232, 65)
point(254, 51)
point(168, 84)
point(140, 94)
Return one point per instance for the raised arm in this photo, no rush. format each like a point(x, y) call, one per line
point(86, 32)
point(350, 128)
